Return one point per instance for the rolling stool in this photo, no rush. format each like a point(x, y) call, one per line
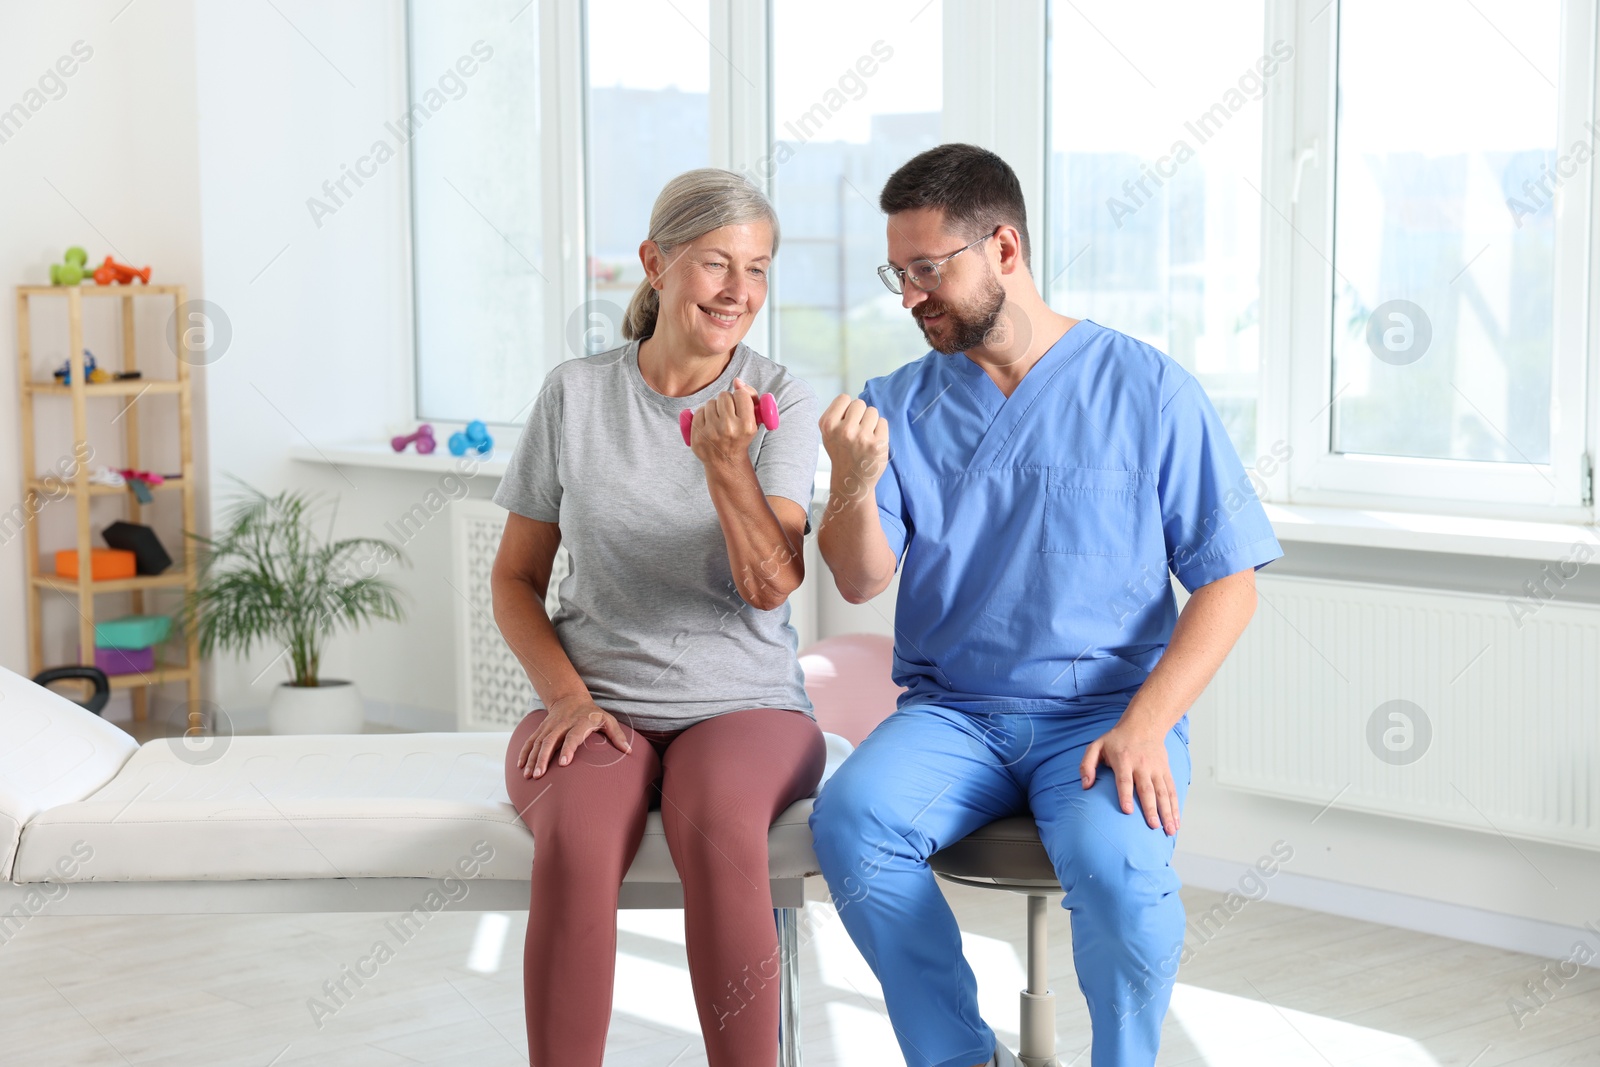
point(848, 680)
point(1007, 854)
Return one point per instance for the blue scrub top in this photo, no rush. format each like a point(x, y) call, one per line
point(1037, 531)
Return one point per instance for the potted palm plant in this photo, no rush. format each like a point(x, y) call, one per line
point(270, 579)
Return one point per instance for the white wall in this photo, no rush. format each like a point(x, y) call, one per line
point(111, 164)
point(321, 316)
point(191, 140)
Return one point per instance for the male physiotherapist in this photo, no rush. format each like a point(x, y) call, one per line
point(1037, 477)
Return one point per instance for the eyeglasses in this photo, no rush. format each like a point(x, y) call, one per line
point(924, 273)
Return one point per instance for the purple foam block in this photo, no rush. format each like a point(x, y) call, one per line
point(125, 660)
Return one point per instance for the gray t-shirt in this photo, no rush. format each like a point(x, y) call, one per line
point(649, 613)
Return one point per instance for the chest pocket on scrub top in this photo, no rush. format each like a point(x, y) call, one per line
point(1089, 511)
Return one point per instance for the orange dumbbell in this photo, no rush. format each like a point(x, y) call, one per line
point(111, 271)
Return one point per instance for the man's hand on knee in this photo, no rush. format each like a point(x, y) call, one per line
point(1139, 762)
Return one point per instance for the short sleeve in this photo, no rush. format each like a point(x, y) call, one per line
point(1211, 518)
point(786, 466)
point(891, 503)
point(531, 485)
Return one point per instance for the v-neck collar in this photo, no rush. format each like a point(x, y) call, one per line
point(1009, 412)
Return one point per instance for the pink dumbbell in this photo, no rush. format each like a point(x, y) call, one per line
point(766, 415)
point(423, 437)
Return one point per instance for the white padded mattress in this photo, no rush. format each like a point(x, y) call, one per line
point(326, 806)
point(52, 752)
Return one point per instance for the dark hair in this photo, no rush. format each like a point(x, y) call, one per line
point(976, 188)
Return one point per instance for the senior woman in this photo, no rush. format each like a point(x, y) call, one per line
point(669, 672)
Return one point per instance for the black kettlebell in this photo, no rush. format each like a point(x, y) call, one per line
point(102, 685)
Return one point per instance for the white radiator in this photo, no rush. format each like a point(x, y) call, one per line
point(492, 690)
point(1480, 723)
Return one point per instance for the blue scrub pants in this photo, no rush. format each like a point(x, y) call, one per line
point(928, 776)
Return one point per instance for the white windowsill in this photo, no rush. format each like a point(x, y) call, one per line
point(381, 455)
point(1408, 531)
point(1422, 532)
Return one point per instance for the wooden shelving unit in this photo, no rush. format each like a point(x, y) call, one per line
point(83, 590)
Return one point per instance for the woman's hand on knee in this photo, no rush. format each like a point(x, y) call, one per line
point(567, 725)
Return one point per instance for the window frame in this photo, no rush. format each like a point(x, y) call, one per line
point(740, 104)
point(1295, 385)
point(566, 214)
point(741, 112)
point(1267, 414)
point(1011, 116)
point(562, 217)
point(1297, 303)
point(740, 120)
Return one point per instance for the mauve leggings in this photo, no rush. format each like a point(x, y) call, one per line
point(721, 783)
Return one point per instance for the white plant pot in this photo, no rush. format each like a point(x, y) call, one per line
point(330, 707)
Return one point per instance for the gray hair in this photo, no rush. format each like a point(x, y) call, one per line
point(689, 207)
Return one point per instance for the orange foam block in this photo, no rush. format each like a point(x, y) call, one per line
point(105, 564)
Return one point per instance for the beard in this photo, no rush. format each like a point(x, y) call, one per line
point(965, 326)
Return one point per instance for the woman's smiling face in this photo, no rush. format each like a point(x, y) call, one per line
point(712, 287)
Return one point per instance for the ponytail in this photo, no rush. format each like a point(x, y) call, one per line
point(640, 320)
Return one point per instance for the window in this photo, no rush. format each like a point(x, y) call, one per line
point(1154, 157)
point(857, 89)
point(648, 120)
point(1443, 298)
point(1395, 298)
point(1435, 325)
point(479, 259)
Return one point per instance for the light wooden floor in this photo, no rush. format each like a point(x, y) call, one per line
point(1277, 986)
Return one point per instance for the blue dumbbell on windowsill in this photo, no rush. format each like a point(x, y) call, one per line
point(474, 437)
